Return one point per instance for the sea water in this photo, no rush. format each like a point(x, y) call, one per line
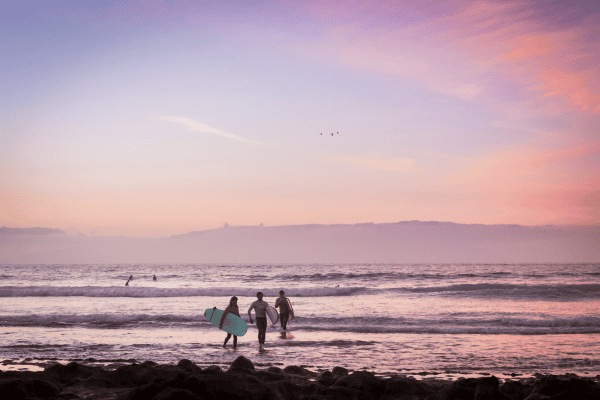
point(417, 320)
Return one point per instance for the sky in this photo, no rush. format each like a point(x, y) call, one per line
point(155, 118)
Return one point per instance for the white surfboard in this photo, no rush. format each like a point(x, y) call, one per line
point(272, 315)
point(291, 309)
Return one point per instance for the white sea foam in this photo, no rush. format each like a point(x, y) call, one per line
point(474, 325)
point(129, 291)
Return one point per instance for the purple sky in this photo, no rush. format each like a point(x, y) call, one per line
point(152, 118)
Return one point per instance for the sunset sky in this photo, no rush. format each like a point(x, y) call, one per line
point(153, 118)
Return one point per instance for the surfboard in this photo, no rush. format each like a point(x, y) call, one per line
point(232, 323)
point(291, 309)
point(272, 315)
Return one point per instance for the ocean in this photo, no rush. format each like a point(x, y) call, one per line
point(440, 320)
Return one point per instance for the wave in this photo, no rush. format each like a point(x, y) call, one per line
point(554, 292)
point(339, 276)
point(557, 292)
point(123, 291)
point(445, 324)
point(100, 320)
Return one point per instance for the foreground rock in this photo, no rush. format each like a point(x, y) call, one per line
point(187, 381)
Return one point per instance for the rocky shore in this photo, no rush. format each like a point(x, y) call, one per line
point(187, 381)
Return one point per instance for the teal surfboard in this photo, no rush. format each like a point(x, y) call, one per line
point(232, 324)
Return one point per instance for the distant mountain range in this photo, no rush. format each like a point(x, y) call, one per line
point(401, 242)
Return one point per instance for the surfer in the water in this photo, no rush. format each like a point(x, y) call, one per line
point(233, 309)
point(154, 278)
point(261, 318)
point(284, 310)
point(130, 277)
point(127, 283)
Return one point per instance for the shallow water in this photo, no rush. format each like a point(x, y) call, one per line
point(435, 319)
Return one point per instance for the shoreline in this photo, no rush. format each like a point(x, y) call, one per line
point(39, 365)
point(244, 379)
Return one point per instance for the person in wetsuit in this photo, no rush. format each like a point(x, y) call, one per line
point(259, 307)
point(233, 309)
point(284, 310)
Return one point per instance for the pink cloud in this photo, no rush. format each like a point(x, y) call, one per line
point(574, 86)
point(464, 50)
point(530, 46)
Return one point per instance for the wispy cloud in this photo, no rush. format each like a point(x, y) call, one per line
point(475, 51)
point(203, 128)
point(377, 161)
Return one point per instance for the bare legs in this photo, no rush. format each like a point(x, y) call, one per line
point(227, 339)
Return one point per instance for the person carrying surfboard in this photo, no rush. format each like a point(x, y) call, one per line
point(260, 307)
point(284, 310)
point(233, 309)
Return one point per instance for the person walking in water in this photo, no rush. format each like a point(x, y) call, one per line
point(233, 309)
point(284, 309)
point(261, 318)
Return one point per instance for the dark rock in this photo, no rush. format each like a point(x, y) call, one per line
point(550, 385)
point(461, 389)
point(574, 387)
point(148, 364)
point(275, 370)
point(235, 385)
point(344, 393)
point(515, 390)
point(309, 388)
point(71, 372)
point(363, 381)
point(267, 376)
point(24, 384)
point(339, 372)
point(242, 386)
point(287, 390)
point(242, 364)
point(44, 389)
point(193, 384)
point(16, 389)
point(295, 370)
point(213, 369)
point(487, 389)
point(188, 366)
point(130, 375)
point(326, 378)
point(68, 396)
point(555, 388)
point(176, 394)
point(406, 386)
point(317, 397)
point(433, 396)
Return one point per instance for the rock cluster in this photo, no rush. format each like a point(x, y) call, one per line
point(187, 381)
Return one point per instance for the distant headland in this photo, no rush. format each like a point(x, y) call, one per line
point(399, 242)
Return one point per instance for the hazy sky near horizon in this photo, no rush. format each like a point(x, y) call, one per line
point(152, 118)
